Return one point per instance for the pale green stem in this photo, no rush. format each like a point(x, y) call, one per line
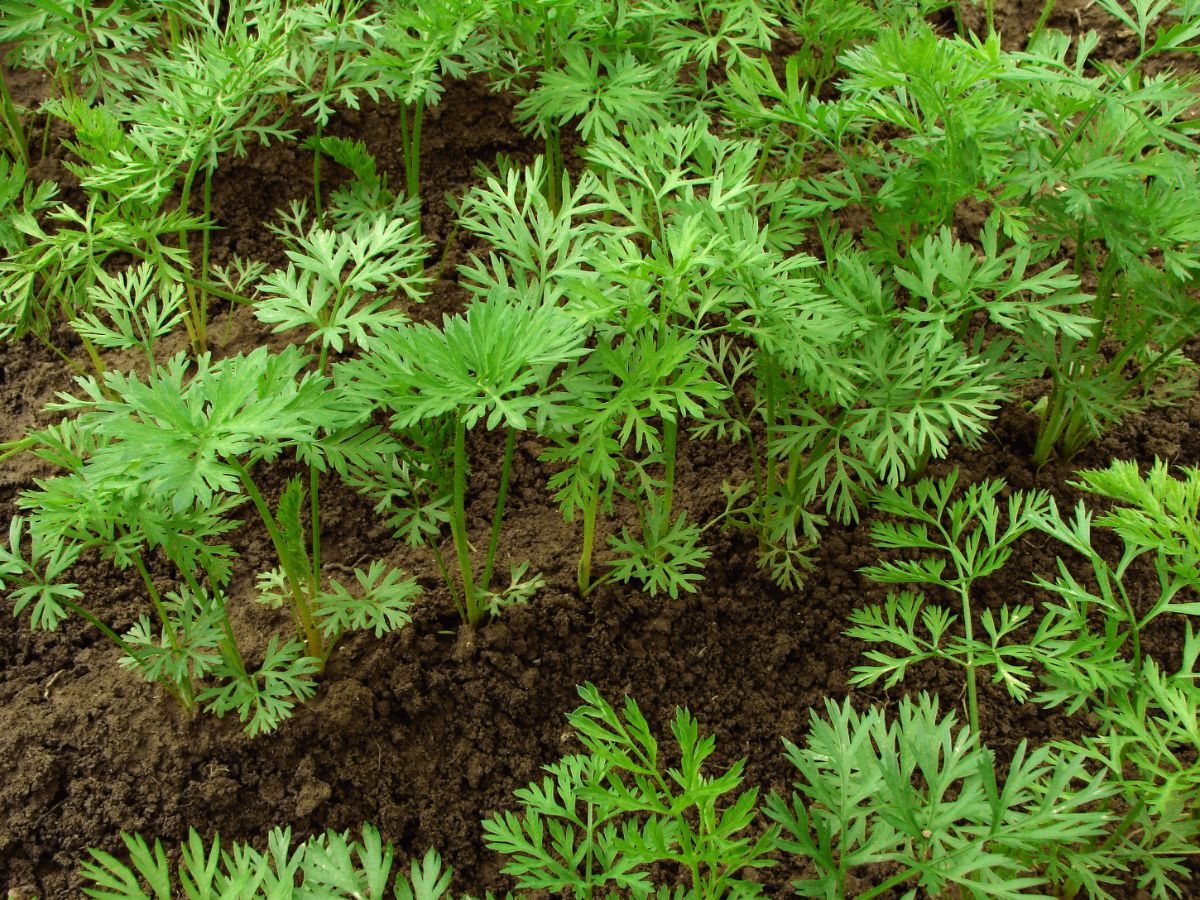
point(441, 564)
point(485, 582)
point(412, 153)
point(205, 240)
point(300, 606)
point(972, 688)
point(12, 123)
point(458, 524)
point(590, 509)
point(670, 441)
point(1040, 25)
point(195, 324)
point(314, 487)
point(316, 172)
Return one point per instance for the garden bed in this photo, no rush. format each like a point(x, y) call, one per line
point(428, 730)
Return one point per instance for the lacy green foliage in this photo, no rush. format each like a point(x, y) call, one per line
point(495, 365)
point(923, 796)
point(913, 796)
point(341, 283)
point(324, 867)
point(1071, 159)
point(599, 821)
point(1081, 649)
point(962, 539)
point(418, 47)
point(158, 465)
point(326, 57)
point(86, 47)
point(1147, 707)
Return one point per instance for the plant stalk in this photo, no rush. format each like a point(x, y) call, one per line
point(300, 607)
point(485, 583)
point(458, 525)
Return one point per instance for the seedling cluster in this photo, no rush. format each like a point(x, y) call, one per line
point(843, 258)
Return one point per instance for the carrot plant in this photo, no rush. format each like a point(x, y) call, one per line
point(494, 365)
point(1115, 179)
point(57, 253)
point(420, 44)
point(967, 538)
point(920, 794)
point(1146, 706)
point(1081, 650)
point(89, 49)
point(210, 94)
point(1080, 178)
point(599, 821)
point(332, 864)
point(326, 56)
point(13, 136)
point(138, 157)
point(155, 467)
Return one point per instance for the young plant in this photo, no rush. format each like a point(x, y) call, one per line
point(825, 29)
point(565, 59)
point(13, 138)
point(601, 821)
point(339, 287)
point(157, 466)
point(207, 96)
point(323, 867)
point(966, 538)
point(1130, 219)
point(329, 44)
point(57, 251)
point(89, 49)
point(421, 43)
point(1145, 708)
point(495, 364)
point(924, 798)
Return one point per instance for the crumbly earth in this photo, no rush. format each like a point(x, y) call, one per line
point(428, 730)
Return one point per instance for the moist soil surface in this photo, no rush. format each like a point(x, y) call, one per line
point(426, 731)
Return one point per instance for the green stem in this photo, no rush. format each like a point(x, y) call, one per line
point(94, 355)
point(12, 123)
point(895, 881)
point(205, 240)
point(458, 524)
point(316, 170)
point(194, 324)
point(1104, 295)
point(314, 509)
point(972, 688)
point(12, 448)
point(300, 607)
point(104, 629)
point(446, 248)
point(404, 142)
point(441, 564)
point(590, 509)
point(1040, 25)
point(670, 442)
point(58, 351)
point(554, 168)
point(1053, 420)
point(412, 154)
point(187, 694)
point(510, 443)
point(768, 481)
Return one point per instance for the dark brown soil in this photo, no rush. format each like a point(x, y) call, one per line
point(425, 732)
